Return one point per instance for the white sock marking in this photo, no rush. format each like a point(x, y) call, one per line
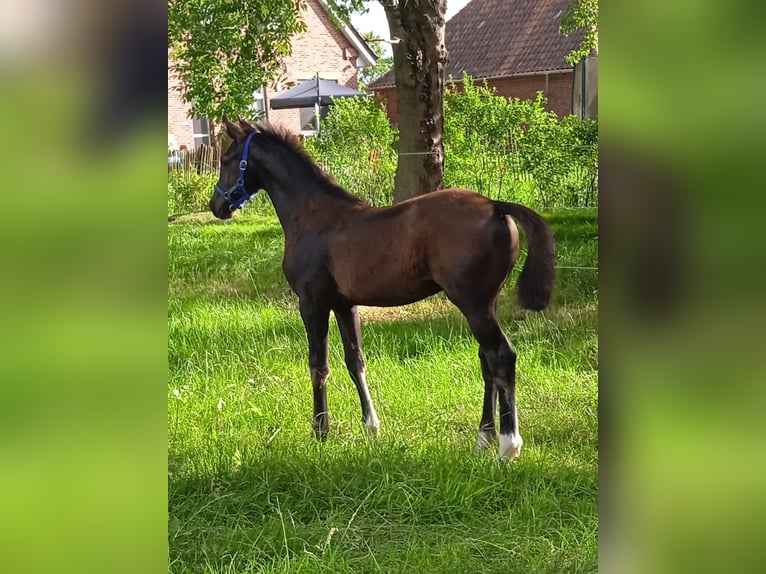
point(372, 424)
point(510, 446)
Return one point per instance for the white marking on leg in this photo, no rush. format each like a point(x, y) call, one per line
point(510, 446)
point(486, 438)
point(371, 423)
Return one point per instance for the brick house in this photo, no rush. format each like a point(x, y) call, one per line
point(181, 127)
point(335, 51)
point(514, 45)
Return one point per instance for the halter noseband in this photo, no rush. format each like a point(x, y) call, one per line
point(237, 195)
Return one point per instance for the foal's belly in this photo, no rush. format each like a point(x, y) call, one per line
point(392, 297)
point(379, 280)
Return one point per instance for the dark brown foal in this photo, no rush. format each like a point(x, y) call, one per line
point(340, 253)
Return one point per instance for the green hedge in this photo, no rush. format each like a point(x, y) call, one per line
point(508, 149)
point(357, 146)
point(516, 150)
point(189, 191)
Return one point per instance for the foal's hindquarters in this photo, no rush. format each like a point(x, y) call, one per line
point(472, 276)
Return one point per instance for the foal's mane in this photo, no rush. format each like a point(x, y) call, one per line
point(288, 142)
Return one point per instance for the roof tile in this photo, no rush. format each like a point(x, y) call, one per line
point(499, 38)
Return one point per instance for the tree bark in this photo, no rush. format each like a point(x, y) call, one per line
point(419, 59)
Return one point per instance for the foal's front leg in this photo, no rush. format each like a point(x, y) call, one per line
point(316, 320)
point(351, 334)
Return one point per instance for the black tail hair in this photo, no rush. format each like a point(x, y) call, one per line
point(538, 274)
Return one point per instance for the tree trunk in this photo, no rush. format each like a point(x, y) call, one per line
point(419, 59)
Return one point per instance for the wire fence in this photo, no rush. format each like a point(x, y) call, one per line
point(499, 174)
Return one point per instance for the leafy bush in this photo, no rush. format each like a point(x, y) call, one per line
point(583, 157)
point(481, 133)
point(508, 149)
point(356, 144)
point(516, 150)
point(189, 191)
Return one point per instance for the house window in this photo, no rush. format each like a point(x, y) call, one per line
point(201, 128)
point(259, 104)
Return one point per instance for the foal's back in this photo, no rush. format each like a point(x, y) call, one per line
point(401, 254)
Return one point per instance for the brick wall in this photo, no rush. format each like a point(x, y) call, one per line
point(322, 48)
point(179, 123)
point(558, 91)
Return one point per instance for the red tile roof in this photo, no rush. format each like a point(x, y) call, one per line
point(500, 38)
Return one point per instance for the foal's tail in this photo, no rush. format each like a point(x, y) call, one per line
point(538, 274)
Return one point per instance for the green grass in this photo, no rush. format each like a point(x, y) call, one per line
point(250, 490)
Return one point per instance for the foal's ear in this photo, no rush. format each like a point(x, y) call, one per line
point(246, 127)
point(235, 132)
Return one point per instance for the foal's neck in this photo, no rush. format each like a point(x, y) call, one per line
point(304, 199)
point(306, 206)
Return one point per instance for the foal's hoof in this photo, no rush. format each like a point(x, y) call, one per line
point(486, 438)
point(510, 446)
point(320, 431)
point(371, 426)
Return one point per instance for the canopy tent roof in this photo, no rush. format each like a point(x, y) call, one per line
point(311, 92)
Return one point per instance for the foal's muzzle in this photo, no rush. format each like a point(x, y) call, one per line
point(237, 194)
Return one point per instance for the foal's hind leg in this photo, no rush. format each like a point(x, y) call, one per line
point(487, 433)
point(500, 359)
point(510, 439)
point(350, 332)
point(316, 320)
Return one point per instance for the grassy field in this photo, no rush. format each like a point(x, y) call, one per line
point(250, 490)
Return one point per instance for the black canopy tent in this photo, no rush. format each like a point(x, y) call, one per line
point(313, 93)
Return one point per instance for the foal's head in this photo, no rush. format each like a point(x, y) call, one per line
point(239, 178)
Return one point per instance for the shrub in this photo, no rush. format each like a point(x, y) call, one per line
point(189, 191)
point(480, 141)
point(356, 144)
point(516, 150)
point(508, 149)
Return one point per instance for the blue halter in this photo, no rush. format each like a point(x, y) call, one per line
point(237, 195)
